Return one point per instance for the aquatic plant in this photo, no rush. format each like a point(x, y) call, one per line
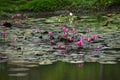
point(88, 39)
point(12, 17)
point(94, 36)
point(74, 31)
point(18, 15)
point(50, 33)
point(79, 43)
point(64, 41)
point(59, 46)
point(4, 35)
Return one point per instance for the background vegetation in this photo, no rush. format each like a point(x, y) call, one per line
point(48, 5)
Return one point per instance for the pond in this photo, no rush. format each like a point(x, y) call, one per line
point(60, 47)
point(96, 37)
point(61, 71)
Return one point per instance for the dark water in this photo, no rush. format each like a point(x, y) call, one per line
point(64, 71)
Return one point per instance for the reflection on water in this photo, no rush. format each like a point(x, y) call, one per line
point(62, 71)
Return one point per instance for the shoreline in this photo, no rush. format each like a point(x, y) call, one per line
point(79, 10)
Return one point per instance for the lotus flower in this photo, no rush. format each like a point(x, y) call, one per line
point(88, 40)
point(18, 15)
point(66, 30)
point(50, 33)
point(79, 43)
point(98, 47)
point(26, 17)
point(63, 28)
point(70, 39)
point(12, 17)
point(3, 35)
point(65, 34)
point(74, 30)
point(14, 39)
point(59, 46)
point(94, 36)
point(81, 39)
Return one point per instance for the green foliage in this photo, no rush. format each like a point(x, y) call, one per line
point(48, 5)
point(107, 2)
point(84, 2)
point(11, 5)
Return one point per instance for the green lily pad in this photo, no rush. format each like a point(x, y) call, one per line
point(108, 62)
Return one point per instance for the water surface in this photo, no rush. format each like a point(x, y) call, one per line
point(63, 71)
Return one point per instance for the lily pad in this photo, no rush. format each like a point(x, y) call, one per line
point(18, 74)
point(18, 69)
point(108, 62)
point(31, 65)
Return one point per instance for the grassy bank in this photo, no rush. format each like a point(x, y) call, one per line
point(50, 5)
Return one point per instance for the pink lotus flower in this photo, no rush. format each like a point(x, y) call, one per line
point(26, 17)
point(94, 36)
point(70, 39)
point(81, 39)
point(12, 17)
point(14, 39)
point(65, 34)
point(98, 47)
point(18, 15)
point(63, 28)
point(79, 43)
point(88, 40)
point(59, 46)
point(50, 33)
point(74, 30)
point(4, 35)
point(66, 30)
